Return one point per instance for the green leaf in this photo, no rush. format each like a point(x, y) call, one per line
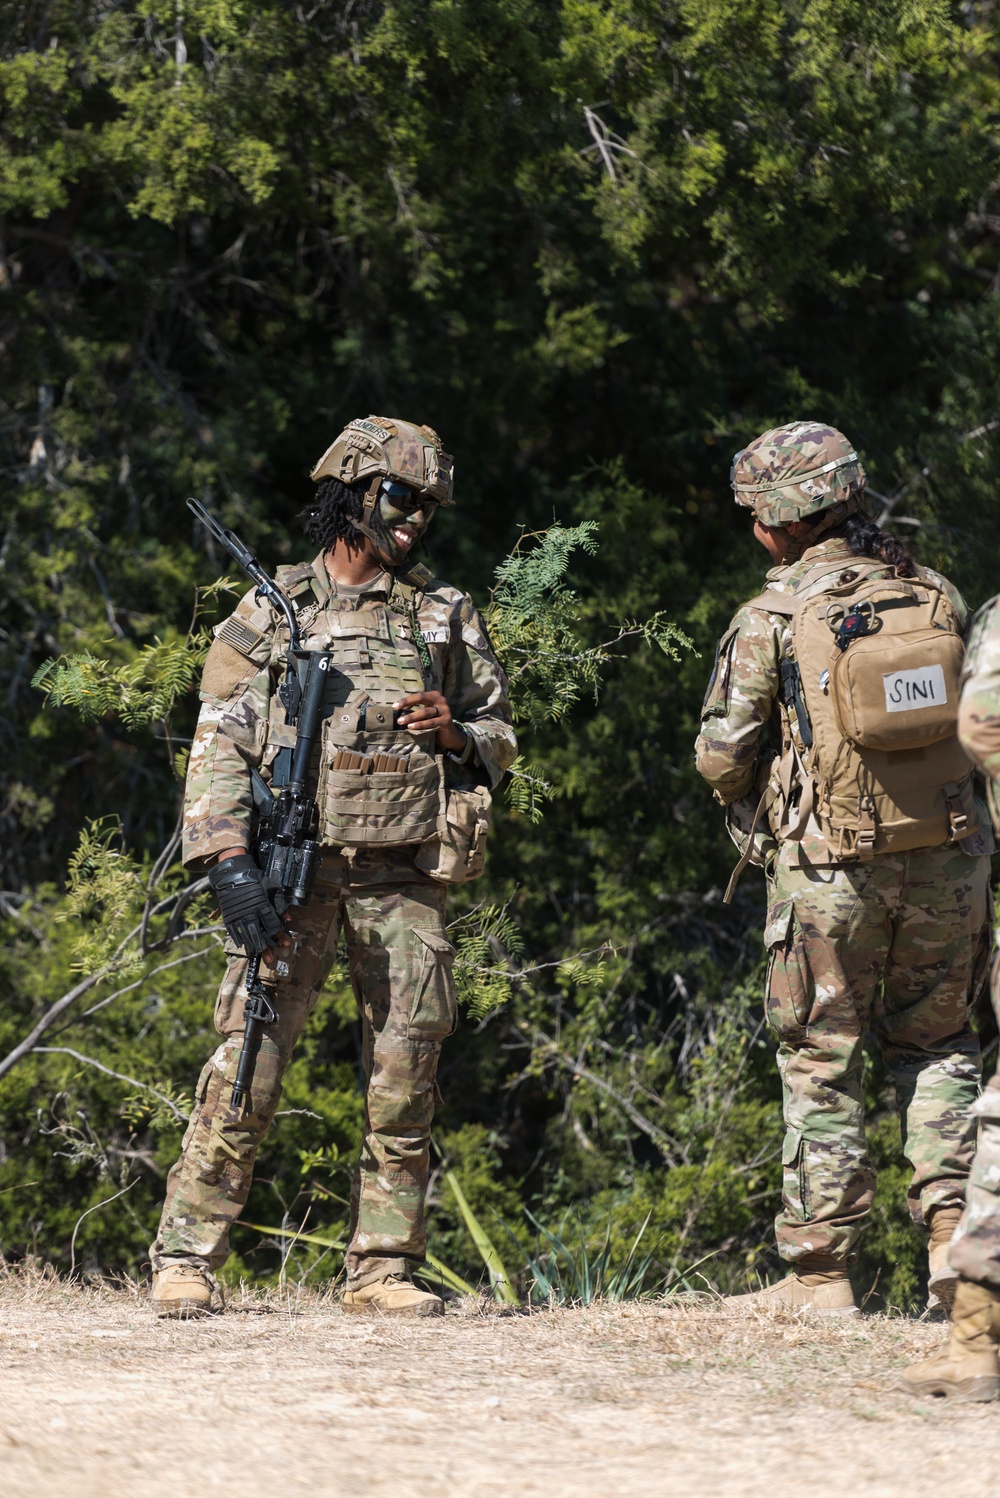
point(499, 1279)
point(441, 1272)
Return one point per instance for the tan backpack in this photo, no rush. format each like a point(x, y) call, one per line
point(871, 703)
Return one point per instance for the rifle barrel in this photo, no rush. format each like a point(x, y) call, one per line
point(242, 554)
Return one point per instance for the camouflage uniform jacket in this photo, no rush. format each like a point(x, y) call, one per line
point(239, 725)
point(979, 709)
point(975, 1251)
point(744, 722)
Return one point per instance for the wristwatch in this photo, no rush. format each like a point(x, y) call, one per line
point(467, 747)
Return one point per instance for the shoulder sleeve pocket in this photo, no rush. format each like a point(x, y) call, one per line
point(226, 671)
point(716, 703)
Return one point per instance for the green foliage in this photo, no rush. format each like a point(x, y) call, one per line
point(527, 790)
point(534, 624)
point(489, 945)
point(105, 892)
point(142, 691)
point(598, 246)
point(500, 1282)
point(565, 1271)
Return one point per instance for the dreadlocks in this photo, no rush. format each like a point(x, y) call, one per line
point(328, 519)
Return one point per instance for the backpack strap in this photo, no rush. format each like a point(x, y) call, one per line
point(770, 792)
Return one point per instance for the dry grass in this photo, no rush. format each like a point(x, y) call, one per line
point(288, 1396)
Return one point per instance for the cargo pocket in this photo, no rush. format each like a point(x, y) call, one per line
point(433, 1011)
point(795, 1177)
point(788, 998)
point(231, 997)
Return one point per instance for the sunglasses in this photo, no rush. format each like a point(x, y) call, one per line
point(403, 498)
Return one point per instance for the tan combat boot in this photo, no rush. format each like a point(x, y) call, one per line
point(822, 1292)
point(943, 1279)
point(393, 1297)
point(183, 1291)
point(966, 1367)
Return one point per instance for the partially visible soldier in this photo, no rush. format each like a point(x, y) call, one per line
point(966, 1368)
point(828, 731)
point(417, 730)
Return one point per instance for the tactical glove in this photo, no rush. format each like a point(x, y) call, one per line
point(247, 910)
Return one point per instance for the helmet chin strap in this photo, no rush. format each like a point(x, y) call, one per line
point(370, 524)
point(828, 519)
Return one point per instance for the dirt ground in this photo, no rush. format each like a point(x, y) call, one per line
point(286, 1395)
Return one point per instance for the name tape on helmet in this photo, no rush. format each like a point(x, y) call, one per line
point(363, 424)
point(785, 481)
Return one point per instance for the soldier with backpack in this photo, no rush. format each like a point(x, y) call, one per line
point(829, 733)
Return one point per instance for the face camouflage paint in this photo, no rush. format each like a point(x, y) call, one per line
point(401, 517)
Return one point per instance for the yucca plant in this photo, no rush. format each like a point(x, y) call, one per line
point(564, 1272)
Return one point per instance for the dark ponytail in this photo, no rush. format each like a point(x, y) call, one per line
point(866, 539)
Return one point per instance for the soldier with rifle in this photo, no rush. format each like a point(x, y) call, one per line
point(354, 721)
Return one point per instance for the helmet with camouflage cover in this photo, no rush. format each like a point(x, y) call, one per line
point(376, 448)
point(796, 471)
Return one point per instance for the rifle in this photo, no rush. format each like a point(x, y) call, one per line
point(283, 845)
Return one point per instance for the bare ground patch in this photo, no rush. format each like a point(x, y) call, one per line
point(286, 1395)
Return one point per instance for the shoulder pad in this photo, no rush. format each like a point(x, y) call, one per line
point(418, 575)
point(445, 594)
point(932, 579)
point(773, 603)
point(296, 578)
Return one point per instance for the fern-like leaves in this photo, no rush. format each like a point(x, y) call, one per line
point(141, 691)
point(490, 947)
point(105, 893)
point(534, 620)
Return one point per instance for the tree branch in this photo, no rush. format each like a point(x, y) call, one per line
point(65, 1050)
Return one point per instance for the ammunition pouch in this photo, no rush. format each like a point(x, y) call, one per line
point(458, 852)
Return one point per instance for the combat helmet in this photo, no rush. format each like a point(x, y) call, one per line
point(799, 470)
point(378, 448)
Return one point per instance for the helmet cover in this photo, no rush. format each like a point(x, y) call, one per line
point(795, 471)
point(376, 445)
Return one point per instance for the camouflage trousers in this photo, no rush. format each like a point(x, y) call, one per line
point(401, 972)
point(975, 1248)
point(899, 947)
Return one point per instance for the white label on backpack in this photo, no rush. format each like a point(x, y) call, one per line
point(906, 691)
